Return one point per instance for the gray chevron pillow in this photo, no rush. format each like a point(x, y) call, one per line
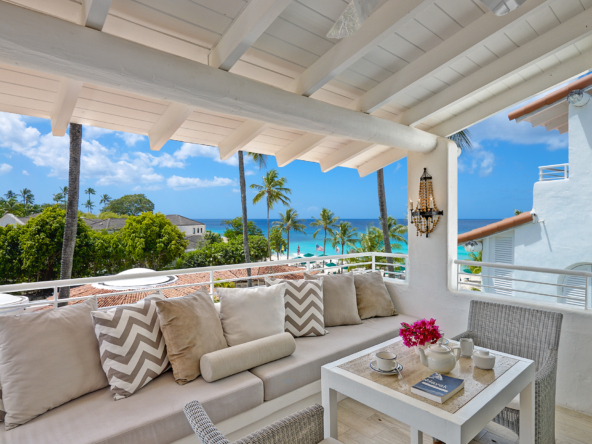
point(132, 346)
point(304, 306)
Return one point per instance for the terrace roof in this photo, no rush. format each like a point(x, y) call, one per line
point(262, 75)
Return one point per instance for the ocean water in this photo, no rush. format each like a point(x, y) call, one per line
point(308, 243)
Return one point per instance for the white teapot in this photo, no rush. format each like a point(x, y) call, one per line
point(439, 358)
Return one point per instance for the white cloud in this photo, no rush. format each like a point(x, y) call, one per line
point(186, 183)
point(98, 162)
point(188, 150)
point(500, 128)
point(144, 188)
point(25, 172)
point(478, 161)
point(130, 139)
point(235, 190)
point(5, 168)
point(93, 132)
point(250, 173)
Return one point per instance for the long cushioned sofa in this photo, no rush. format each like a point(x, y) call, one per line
point(154, 415)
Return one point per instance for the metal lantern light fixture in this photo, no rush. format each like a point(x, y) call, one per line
point(426, 215)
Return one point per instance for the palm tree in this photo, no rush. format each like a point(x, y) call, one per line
point(89, 191)
point(396, 232)
point(383, 218)
point(58, 198)
point(273, 190)
point(64, 191)
point(71, 207)
point(89, 205)
point(344, 235)
point(261, 159)
point(326, 222)
point(27, 196)
point(10, 206)
point(289, 221)
point(462, 140)
point(10, 195)
point(105, 199)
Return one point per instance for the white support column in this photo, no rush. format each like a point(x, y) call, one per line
point(94, 13)
point(450, 50)
point(168, 124)
point(526, 55)
point(64, 105)
point(534, 86)
point(342, 155)
point(381, 161)
point(240, 137)
point(298, 147)
point(244, 31)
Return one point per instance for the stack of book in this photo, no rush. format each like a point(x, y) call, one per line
point(438, 388)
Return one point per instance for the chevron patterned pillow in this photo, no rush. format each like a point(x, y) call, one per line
point(304, 306)
point(132, 347)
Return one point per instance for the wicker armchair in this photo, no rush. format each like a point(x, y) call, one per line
point(528, 333)
point(304, 427)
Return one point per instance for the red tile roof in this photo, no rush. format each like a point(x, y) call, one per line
point(193, 278)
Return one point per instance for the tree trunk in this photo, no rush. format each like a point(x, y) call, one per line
point(243, 190)
point(384, 219)
point(288, 247)
point(69, 243)
point(268, 244)
point(325, 247)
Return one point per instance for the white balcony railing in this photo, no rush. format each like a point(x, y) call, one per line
point(554, 172)
point(367, 259)
point(544, 284)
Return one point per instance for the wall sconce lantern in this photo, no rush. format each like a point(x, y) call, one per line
point(426, 215)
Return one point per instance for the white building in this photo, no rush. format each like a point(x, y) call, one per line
point(186, 225)
point(556, 233)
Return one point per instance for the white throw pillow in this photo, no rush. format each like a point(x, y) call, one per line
point(251, 313)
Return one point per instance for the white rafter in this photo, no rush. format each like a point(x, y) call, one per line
point(298, 147)
point(64, 105)
point(526, 90)
point(526, 55)
point(381, 161)
point(343, 154)
point(438, 58)
point(244, 30)
point(382, 23)
point(94, 13)
point(168, 124)
point(239, 138)
point(391, 16)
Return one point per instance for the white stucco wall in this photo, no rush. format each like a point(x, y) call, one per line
point(188, 229)
point(429, 292)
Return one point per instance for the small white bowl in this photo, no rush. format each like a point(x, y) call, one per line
point(483, 359)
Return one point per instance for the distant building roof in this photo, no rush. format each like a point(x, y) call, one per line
point(193, 278)
point(498, 227)
point(181, 220)
point(551, 110)
point(195, 241)
point(10, 219)
point(106, 224)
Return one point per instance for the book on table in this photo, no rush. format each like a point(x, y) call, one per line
point(438, 388)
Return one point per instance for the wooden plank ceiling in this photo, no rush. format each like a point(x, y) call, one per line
point(440, 66)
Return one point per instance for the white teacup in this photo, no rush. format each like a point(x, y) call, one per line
point(466, 347)
point(386, 361)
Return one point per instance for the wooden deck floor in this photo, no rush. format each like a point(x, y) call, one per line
point(359, 424)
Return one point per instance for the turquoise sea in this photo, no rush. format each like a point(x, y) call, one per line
point(308, 244)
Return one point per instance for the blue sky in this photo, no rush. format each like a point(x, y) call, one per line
point(494, 179)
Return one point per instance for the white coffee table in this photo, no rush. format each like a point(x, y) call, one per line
point(459, 427)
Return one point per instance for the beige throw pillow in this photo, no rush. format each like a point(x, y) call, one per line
point(339, 299)
point(372, 296)
point(251, 313)
point(304, 306)
point(191, 328)
point(133, 351)
point(47, 359)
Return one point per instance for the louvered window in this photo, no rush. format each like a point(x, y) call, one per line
point(576, 281)
point(503, 254)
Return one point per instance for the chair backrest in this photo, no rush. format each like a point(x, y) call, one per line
point(519, 331)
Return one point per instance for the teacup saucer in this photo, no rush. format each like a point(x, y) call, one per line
point(396, 371)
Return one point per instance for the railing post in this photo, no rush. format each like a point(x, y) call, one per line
point(212, 283)
point(55, 297)
point(588, 294)
point(540, 174)
point(308, 266)
point(565, 171)
point(373, 261)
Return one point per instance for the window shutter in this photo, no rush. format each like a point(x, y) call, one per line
point(503, 254)
point(576, 281)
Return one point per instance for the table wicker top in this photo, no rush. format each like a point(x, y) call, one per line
point(476, 380)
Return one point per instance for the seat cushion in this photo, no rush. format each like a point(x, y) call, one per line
point(304, 365)
point(153, 415)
